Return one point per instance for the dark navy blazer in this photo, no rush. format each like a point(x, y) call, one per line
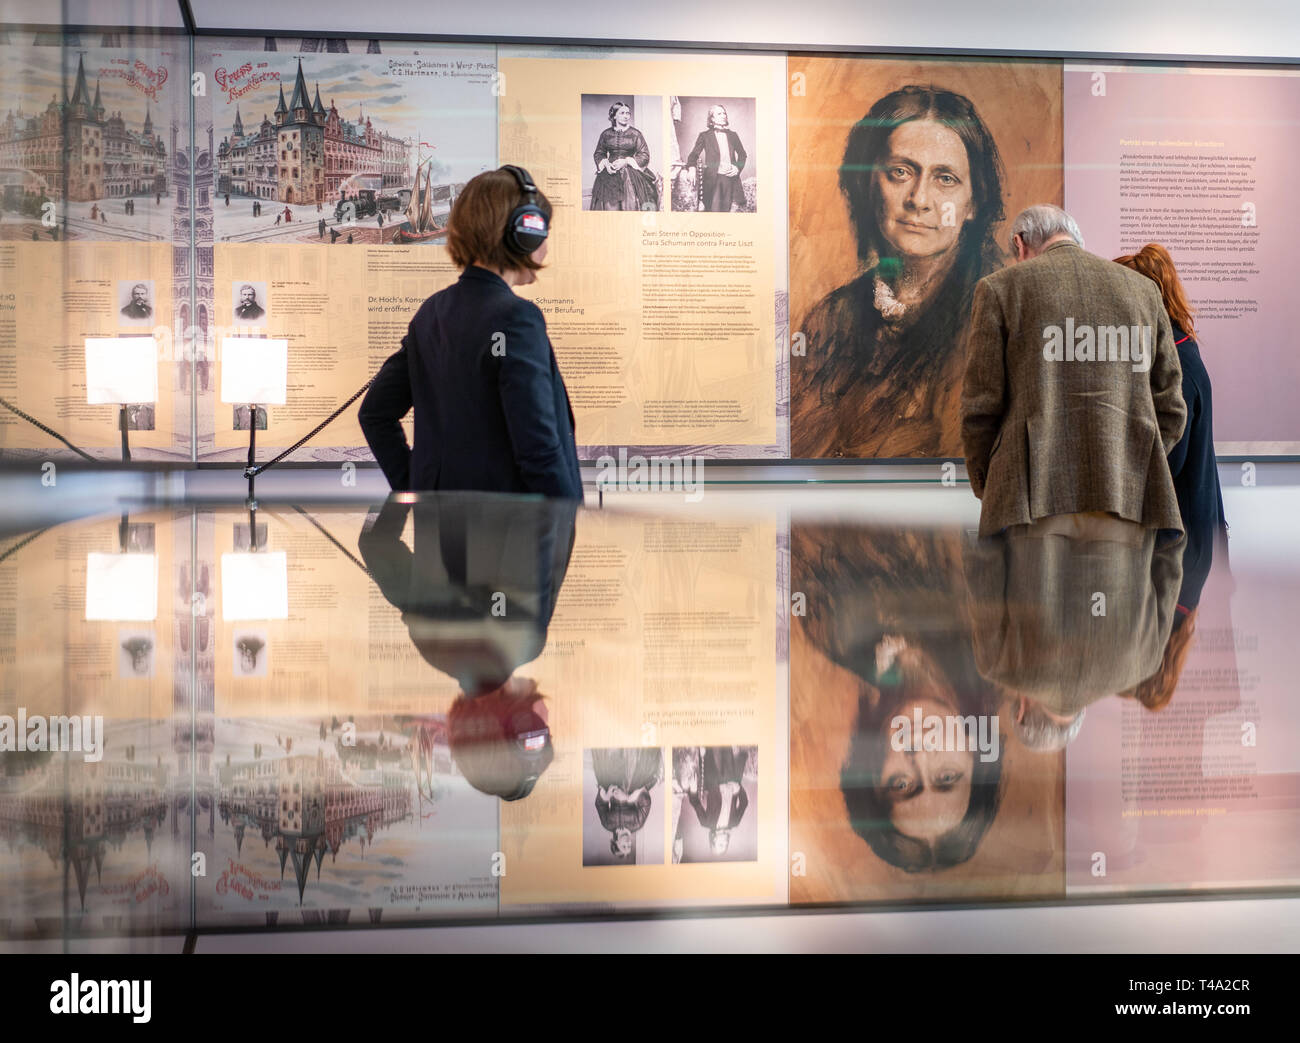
point(491, 410)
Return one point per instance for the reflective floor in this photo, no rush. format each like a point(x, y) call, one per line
point(459, 710)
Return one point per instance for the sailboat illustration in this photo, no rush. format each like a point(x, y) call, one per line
point(420, 225)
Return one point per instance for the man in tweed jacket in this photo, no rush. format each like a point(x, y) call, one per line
point(1073, 392)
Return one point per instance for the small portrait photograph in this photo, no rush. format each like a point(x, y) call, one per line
point(250, 653)
point(622, 137)
point(242, 532)
point(140, 417)
point(135, 302)
point(715, 804)
point(139, 538)
point(248, 300)
point(623, 806)
point(242, 418)
point(135, 654)
point(713, 164)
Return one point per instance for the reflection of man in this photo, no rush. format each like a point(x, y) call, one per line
point(1068, 611)
point(138, 307)
point(720, 799)
point(719, 157)
point(249, 647)
point(248, 309)
point(1048, 427)
point(138, 648)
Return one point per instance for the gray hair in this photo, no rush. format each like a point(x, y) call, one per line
point(1040, 733)
point(1037, 224)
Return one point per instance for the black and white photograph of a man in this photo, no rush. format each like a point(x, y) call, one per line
point(715, 798)
point(242, 418)
point(249, 303)
point(251, 655)
point(136, 302)
point(715, 169)
point(135, 653)
point(140, 417)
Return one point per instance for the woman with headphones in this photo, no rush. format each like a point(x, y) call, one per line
point(491, 410)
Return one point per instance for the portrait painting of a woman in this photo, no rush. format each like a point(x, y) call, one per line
point(923, 180)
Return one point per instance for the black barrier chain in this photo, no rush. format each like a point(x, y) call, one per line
point(50, 431)
point(326, 533)
point(253, 472)
point(21, 544)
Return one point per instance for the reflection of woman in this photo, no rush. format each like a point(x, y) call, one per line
point(888, 609)
point(623, 179)
point(720, 799)
point(624, 779)
point(719, 157)
point(1194, 467)
point(884, 362)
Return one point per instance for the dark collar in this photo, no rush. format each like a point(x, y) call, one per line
point(483, 275)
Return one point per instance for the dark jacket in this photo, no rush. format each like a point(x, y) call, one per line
point(1196, 474)
point(491, 410)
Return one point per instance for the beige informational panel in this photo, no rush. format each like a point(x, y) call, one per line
point(93, 241)
point(666, 274)
point(661, 674)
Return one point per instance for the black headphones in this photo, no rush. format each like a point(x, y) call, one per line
point(527, 227)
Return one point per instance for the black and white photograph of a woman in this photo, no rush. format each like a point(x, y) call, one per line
point(623, 806)
point(714, 168)
point(622, 137)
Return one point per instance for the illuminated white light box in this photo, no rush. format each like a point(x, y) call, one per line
point(121, 369)
point(121, 587)
point(254, 371)
point(255, 585)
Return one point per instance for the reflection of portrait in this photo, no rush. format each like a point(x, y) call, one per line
point(248, 307)
point(716, 782)
point(625, 779)
point(140, 417)
point(139, 538)
point(139, 305)
point(137, 654)
point(714, 164)
point(476, 595)
point(624, 180)
point(882, 376)
point(1067, 611)
point(250, 654)
point(888, 609)
point(242, 416)
point(241, 534)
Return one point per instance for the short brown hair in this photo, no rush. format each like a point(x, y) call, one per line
point(1154, 262)
point(476, 231)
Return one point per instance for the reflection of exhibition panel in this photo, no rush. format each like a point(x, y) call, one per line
point(742, 265)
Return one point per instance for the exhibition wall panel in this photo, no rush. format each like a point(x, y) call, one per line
point(737, 270)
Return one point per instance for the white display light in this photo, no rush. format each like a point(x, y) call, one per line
point(122, 587)
point(255, 585)
point(254, 371)
point(121, 370)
